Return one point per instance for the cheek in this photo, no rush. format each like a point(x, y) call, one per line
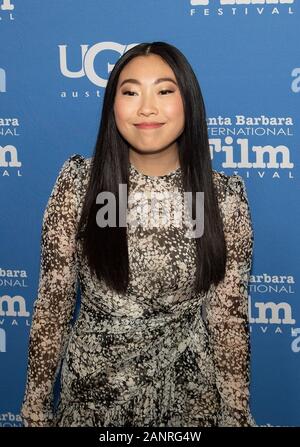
point(120, 114)
point(175, 110)
point(123, 112)
point(117, 110)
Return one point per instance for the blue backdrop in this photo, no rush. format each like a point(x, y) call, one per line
point(54, 63)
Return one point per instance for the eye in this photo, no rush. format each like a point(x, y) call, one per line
point(166, 91)
point(128, 91)
point(162, 92)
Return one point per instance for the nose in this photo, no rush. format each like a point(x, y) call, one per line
point(148, 105)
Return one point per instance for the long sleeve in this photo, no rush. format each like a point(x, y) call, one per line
point(227, 311)
point(54, 306)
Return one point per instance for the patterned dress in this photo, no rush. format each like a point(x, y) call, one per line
point(160, 355)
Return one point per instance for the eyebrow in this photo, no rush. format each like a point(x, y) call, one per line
point(157, 81)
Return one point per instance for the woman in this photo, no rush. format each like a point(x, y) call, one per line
point(162, 336)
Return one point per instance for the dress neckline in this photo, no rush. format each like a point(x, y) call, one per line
point(172, 173)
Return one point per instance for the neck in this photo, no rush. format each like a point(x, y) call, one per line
point(154, 164)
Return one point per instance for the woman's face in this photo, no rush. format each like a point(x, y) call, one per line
point(147, 99)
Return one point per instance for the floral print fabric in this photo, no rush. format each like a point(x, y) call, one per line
point(161, 355)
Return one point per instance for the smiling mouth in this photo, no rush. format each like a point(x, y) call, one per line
point(149, 126)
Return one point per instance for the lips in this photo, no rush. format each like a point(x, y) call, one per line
point(149, 125)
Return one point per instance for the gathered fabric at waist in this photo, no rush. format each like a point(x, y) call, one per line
point(147, 365)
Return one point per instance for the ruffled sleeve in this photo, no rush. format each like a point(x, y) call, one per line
point(55, 303)
point(227, 311)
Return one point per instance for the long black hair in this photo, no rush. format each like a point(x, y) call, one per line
point(107, 248)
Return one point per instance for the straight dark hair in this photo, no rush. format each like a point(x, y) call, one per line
point(106, 248)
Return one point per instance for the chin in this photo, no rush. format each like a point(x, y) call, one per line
point(145, 150)
point(150, 151)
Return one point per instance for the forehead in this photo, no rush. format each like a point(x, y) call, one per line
point(151, 66)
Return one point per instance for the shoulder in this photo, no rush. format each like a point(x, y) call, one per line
point(69, 186)
point(74, 168)
point(72, 175)
point(233, 204)
point(228, 186)
point(75, 162)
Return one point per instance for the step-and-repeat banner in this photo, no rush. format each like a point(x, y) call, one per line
point(55, 59)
